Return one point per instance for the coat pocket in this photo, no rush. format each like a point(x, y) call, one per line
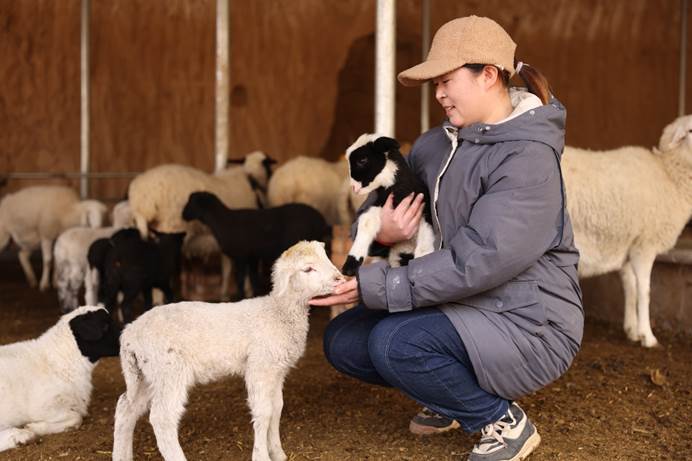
point(518, 301)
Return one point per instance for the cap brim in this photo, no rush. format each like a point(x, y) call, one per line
point(425, 71)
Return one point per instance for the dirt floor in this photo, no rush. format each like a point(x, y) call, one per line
point(617, 402)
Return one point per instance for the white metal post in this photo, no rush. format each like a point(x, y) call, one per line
point(683, 57)
point(84, 128)
point(222, 85)
point(385, 54)
point(425, 46)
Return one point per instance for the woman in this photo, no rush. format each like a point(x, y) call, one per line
point(495, 312)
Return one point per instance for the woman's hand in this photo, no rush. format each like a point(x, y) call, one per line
point(400, 223)
point(344, 293)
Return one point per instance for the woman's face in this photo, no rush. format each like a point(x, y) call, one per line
point(462, 95)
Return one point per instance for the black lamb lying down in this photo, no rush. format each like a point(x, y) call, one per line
point(375, 164)
point(126, 263)
point(254, 238)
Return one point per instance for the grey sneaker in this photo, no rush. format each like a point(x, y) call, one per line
point(512, 438)
point(427, 422)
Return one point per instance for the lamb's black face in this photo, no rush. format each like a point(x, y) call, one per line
point(368, 160)
point(97, 335)
point(195, 202)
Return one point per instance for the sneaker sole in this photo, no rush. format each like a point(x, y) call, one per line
point(419, 429)
point(530, 445)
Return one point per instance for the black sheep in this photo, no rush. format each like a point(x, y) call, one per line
point(255, 238)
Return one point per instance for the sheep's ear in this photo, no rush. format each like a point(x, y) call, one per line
point(672, 136)
point(385, 144)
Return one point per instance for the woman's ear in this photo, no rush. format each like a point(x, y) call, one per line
point(491, 75)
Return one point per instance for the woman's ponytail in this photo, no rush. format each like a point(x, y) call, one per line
point(535, 81)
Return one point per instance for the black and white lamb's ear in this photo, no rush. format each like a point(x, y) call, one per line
point(385, 144)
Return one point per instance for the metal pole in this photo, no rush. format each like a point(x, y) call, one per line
point(683, 57)
point(84, 132)
point(222, 85)
point(425, 46)
point(385, 54)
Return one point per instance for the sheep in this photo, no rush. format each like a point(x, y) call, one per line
point(315, 182)
point(628, 205)
point(255, 237)
point(45, 384)
point(35, 216)
point(70, 255)
point(158, 195)
point(375, 164)
point(171, 348)
point(258, 167)
point(127, 263)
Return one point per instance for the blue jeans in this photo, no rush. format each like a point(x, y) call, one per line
point(418, 352)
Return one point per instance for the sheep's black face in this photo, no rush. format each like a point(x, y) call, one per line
point(196, 203)
point(368, 161)
point(97, 335)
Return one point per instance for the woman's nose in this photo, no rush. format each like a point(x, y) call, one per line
point(439, 94)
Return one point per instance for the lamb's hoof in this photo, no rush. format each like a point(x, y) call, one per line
point(631, 333)
point(649, 341)
point(277, 455)
point(351, 265)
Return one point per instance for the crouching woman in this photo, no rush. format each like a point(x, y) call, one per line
point(494, 313)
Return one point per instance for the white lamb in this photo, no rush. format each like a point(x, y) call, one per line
point(172, 347)
point(323, 185)
point(70, 254)
point(45, 383)
point(627, 206)
point(35, 216)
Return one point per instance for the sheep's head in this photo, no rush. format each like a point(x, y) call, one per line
point(369, 164)
point(677, 134)
point(92, 213)
point(256, 164)
point(305, 269)
point(122, 216)
point(95, 332)
point(196, 203)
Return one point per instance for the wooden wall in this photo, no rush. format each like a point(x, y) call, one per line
point(301, 75)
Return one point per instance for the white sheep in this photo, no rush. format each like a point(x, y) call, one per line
point(45, 383)
point(172, 347)
point(158, 195)
point(628, 205)
point(70, 254)
point(35, 216)
point(323, 185)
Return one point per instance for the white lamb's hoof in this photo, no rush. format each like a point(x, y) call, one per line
point(631, 332)
point(44, 286)
point(649, 340)
point(278, 455)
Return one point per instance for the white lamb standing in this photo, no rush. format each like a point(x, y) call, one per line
point(628, 205)
point(35, 216)
point(170, 348)
point(45, 383)
point(70, 253)
point(158, 196)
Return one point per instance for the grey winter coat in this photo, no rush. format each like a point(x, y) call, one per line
point(505, 266)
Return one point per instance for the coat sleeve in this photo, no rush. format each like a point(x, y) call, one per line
point(511, 225)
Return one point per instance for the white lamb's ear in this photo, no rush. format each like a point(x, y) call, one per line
point(673, 135)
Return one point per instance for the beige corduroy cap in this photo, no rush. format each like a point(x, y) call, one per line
point(467, 40)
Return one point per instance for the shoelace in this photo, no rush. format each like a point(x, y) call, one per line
point(493, 432)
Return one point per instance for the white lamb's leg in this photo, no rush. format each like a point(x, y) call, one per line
point(47, 256)
point(126, 415)
point(167, 407)
point(261, 385)
point(425, 239)
point(642, 265)
point(12, 437)
point(629, 287)
point(60, 423)
point(276, 452)
point(24, 255)
point(368, 226)
point(91, 286)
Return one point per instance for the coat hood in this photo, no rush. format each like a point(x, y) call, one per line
point(530, 121)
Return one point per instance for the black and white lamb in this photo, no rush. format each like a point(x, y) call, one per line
point(45, 383)
point(126, 263)
point(254, 238)
point(375, 164)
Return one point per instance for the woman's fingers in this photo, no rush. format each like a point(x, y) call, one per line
point(415, 208)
